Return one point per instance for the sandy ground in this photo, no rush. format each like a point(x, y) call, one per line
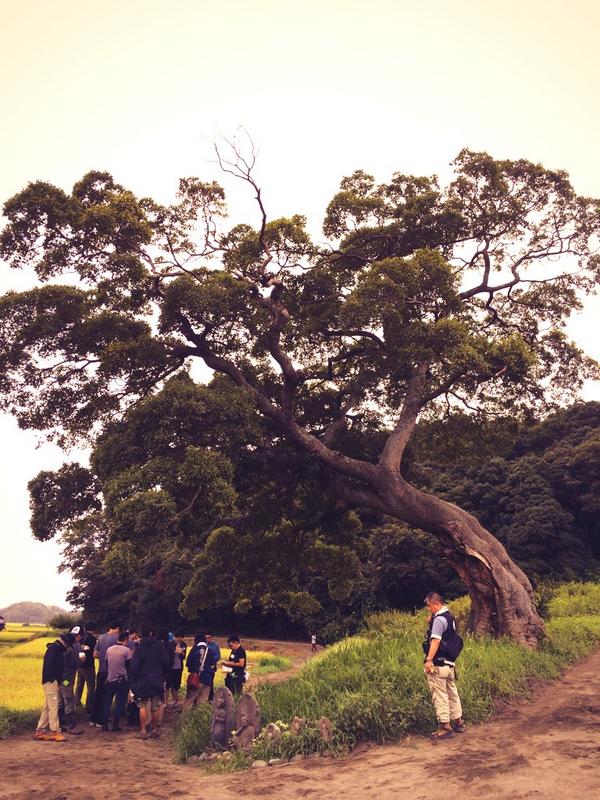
point(548, 747)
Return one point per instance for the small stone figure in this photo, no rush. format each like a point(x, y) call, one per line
point(247, 722)
point(273, 731)
point(297, 725)
point(223, 719)
point(325, 729)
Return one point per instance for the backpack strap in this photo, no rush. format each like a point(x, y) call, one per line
point(201, 667)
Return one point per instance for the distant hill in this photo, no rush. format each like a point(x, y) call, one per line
point(30, 612)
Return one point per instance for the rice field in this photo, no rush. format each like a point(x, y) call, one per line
point(32, 648)
point(20, 683)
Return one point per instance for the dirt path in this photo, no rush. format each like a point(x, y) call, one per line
point(546, 748)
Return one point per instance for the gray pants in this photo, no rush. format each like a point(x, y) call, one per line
point(86, 676)
point(67, 697)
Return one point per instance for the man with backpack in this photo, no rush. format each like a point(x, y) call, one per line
point(200, 665)
point(442, 647)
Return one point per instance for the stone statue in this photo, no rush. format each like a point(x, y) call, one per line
point(325, 729)
point(247, 722)
point(273, 731)
point(223, 719)
point(298, 723)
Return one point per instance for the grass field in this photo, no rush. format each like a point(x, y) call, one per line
point(20, 671)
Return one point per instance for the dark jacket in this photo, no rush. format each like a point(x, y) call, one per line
point(195, 659)
point(148, 666)
point(70, 663)
point(52, 669)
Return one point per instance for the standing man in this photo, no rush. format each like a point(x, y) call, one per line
point(118, 658)
point(86, 672)
point(236, 679)
point(216, 657)
point(313, 643)
point(52, 670)
point(148, 666)
point(442, 646)
point(200, 665)
point(105, 640)
point(176, 670)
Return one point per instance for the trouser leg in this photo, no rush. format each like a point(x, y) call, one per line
point(49, 715)
point(79, 684)
point(98, 708)
point(86, 676)
point(191, 697)
point(110, 689)
point(437, 687)
point(453, 697)
point(122, 691)
point(68, 701)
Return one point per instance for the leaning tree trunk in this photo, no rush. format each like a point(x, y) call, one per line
point(501, 594)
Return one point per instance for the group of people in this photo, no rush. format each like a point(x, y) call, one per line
point(136, 672)
point(145, 667)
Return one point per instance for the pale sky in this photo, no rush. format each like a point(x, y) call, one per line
point(143, 88)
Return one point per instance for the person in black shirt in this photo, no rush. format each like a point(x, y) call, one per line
point(86, 672)
point(236, 679)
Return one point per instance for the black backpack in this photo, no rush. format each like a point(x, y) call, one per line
point(451, 645)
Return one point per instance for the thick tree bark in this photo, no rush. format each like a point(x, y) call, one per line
point(501, 594)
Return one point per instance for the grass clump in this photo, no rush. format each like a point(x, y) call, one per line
point(262, 663)
point(13, 722)
point(193, 732)
point(574, 599)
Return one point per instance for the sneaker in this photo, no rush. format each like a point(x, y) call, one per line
point(41, 735)
point(75, 731)
point(93, 725)
point(142, 735)
point(56, 737)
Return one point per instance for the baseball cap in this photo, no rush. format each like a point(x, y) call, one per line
point(76, 630)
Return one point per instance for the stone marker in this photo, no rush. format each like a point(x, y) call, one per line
point(325, 729)
point(223, 717)
point(273, 732)
point(297, 725)
point(247, 722)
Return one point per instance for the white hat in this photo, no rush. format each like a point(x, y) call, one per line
point(76, 630)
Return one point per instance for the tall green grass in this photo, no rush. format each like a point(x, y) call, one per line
point(372, 686)
point(574, 599)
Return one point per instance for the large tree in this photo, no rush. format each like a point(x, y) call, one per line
point(425, 298)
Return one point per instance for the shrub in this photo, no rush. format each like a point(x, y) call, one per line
point(193, 733)
point(13, 722)
point(64, 620)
